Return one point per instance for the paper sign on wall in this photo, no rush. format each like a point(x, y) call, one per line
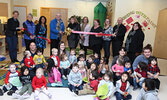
point(34, 12)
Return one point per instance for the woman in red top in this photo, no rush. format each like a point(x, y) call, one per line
point(39, 84)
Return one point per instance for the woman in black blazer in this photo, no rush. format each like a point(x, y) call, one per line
point(41, 31)
point(134, 41)
point(11, 36)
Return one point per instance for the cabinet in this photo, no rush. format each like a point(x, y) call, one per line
point(2, 45)
point(3, 50)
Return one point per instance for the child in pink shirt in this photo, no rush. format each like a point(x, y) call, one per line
point(118, 69)
point(53, 73)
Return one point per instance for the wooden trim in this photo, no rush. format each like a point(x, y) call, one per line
point(21, 6)
point(53, 8)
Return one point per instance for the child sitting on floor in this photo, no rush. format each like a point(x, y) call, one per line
point(55, 57)
point(92, 68)
point(39, 59)
point(90, 61)
point(75, 79)
point(118, 69)
point(26, 79)
point(82, 66)
point(123, 88)
point(97, 59)
point(153, 71)
point(81, 52)
point(139, 75)
point(12, 81)
point(90, 88)
point(148, 91)
point(64, 66)
point(39, 84)
point(103, 66)
point(105, 87)
point(72, 58)
point(28, 61)
point(128, 69)
point(53, 73)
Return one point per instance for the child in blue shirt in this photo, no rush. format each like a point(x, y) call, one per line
point(64, 66)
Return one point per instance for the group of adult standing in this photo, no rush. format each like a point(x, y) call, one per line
point(32, 33)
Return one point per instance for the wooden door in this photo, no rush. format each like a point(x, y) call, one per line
point(160, 44)
point(46, 12)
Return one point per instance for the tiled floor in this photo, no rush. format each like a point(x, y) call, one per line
point(65, 94)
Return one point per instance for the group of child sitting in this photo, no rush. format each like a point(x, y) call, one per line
point(91, 76)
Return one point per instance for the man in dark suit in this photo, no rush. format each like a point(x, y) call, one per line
point(119, 31)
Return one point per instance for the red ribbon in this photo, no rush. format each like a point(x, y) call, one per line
point(49, 41)
point(91, 33)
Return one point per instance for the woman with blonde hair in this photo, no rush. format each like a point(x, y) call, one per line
point(73, 39)
point(107, 39)
point(84, 38)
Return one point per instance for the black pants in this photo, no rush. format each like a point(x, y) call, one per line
point(27, 43)
point(84, 48)
point(131, 56)
point(116, 46)
point(115, 78)
point(97, 49)
point(65, 72)
point(54, 44)
point(14, 88)
point(157, 83)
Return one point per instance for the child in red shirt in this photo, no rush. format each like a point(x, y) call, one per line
point(39, 84)
point(90, 88)
point(123, 88)
point(139, 75)
point(28, 61)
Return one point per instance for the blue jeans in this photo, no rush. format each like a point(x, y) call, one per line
point(119, 96)
point(140, 83)
point(74, 88)
point(12, 46)
point(106, 46)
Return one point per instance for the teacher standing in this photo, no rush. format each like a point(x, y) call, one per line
point(95, 41)
point(119, 31)
point(29, 32)
point(56, 31)
point(12, 37)
point(134, 41)
point(41, 31)
point(107, 39)
point(73, 38)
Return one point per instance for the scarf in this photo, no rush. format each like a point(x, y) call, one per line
point(129, 39)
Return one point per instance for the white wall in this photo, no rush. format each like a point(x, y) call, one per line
point(75, 7)
point(148, 7)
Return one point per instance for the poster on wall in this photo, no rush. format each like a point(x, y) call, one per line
point(138, 16)
point(34, 12)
